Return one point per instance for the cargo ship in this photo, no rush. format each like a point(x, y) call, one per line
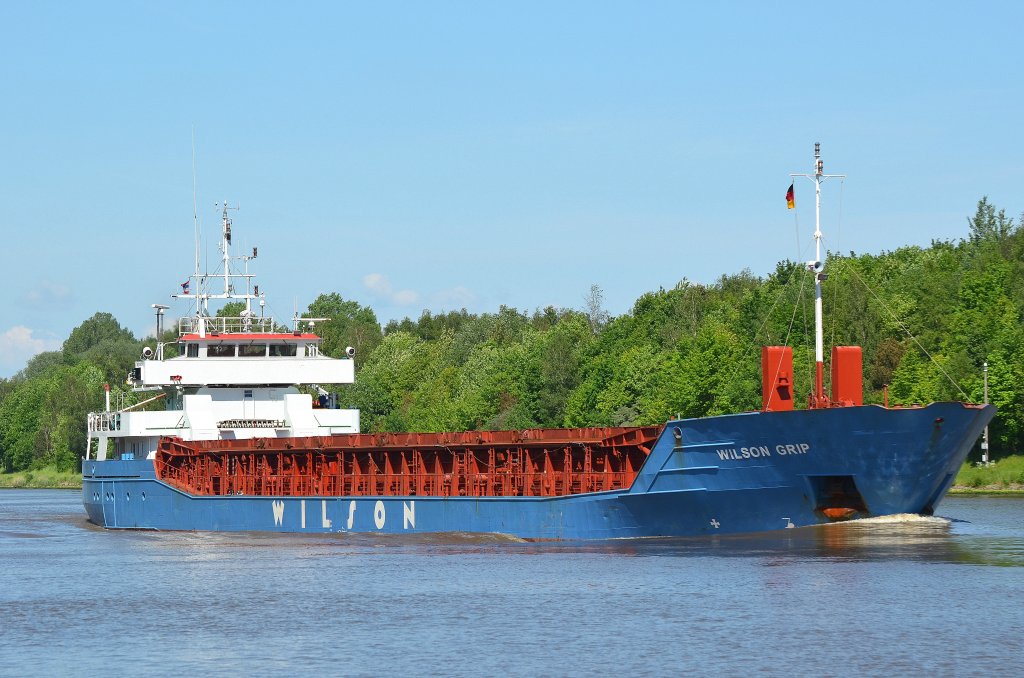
point(251, 440)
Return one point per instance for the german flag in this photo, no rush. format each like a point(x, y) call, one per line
point(790, 200)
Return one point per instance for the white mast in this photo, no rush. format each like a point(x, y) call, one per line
point(225, 244)
point(817, 267)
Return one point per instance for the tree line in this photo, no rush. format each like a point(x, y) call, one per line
point(928, 319)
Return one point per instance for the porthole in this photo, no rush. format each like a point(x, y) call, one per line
point(143, 496)
point(127, 496)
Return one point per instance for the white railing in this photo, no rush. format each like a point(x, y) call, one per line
point(104, 421)
point(190, 325)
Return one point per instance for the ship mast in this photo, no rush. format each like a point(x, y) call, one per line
point(817, 266)
point(225, 245)
point(202, 295)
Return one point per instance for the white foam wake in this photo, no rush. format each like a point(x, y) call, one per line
point(902, 519)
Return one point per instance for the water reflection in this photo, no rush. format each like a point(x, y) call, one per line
point(900, 538)
point(982, 531)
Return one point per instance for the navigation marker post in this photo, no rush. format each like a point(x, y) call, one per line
point(984, 437)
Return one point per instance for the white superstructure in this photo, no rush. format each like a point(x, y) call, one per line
point(232, 377)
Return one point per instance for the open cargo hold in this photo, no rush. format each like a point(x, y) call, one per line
point(525, 463)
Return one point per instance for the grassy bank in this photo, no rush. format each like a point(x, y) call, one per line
point(1004, 475)
point(42, 479)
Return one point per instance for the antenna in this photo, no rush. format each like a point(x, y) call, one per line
point(225, 243)
point(206, 286)
point(195, 203)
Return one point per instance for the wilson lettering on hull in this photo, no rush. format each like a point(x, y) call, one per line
point(754, 452)
point(792, 469)
point(339, 514)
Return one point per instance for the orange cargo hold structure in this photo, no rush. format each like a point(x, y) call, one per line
point(524, 463)
point(847, 382)
point(776, 378)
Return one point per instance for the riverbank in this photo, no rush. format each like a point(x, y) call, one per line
point(1004, 476)
point(42, 479)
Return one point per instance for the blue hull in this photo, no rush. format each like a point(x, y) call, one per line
point(736, 473)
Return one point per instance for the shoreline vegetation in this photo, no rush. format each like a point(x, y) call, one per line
point(1004, 476)
point(936, 323)
point(41, 479)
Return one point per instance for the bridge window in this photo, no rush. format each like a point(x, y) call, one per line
point(282, 350)
point(192, 351)
point(220, 350)
point(252, 350)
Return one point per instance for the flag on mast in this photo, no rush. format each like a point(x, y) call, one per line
point(790, 200)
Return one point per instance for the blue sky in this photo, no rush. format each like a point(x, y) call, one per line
point(441, 155)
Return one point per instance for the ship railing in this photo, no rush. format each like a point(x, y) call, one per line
point(227, 325)
point(102, 422)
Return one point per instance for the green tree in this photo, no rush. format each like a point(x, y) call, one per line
point(595, 311)
point(39, 364)
point(386, 381)
point(232, 309)
point(102, 341)
point(42, 419)
point(350, 324)
point(989, 226)
point(99, 330)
